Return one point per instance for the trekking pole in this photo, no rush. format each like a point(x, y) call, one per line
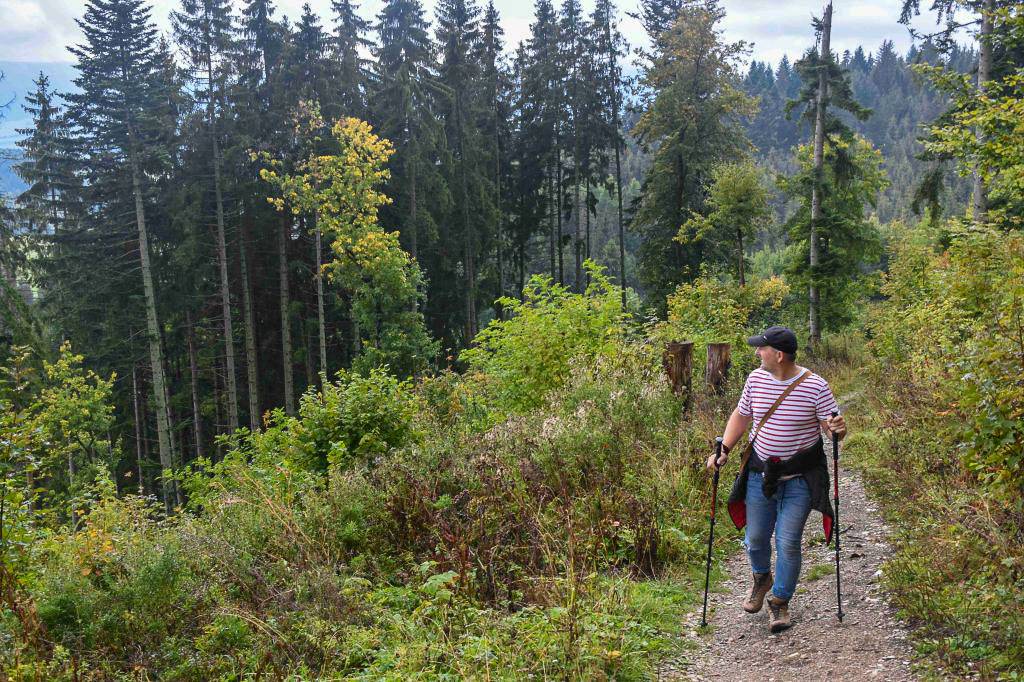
point(711, 535)
point(835, 469)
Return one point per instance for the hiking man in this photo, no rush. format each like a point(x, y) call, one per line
point(785, 474)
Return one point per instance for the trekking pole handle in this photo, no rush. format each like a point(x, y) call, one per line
point(718, 450)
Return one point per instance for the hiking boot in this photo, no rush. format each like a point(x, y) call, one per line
point(779, 620)
point(762, 583)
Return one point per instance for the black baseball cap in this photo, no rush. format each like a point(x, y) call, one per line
point(779, 338)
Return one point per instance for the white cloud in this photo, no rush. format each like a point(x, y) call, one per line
point(40, 30)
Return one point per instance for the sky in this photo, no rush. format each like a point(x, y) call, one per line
point(40, 30)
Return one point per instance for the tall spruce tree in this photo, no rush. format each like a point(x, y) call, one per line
point(311, 73)
point(51, 205)
point(526, 202)
point(691, 122)
point(495, 127)
point(575, 89)
point(540, 102)
point(258, 47)
point(48, 166)
point(825, 84)
point(404, 106)
point(117, 110)
point(610, 48)
point(203, 30)
point(458, 38)
point(350, 42)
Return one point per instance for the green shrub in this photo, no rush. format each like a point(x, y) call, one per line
point(944, 446)
point(718, 310)
point(397, 531)
point(516, 361)
point(952, 325)
point(115, 585)
point(353, 419)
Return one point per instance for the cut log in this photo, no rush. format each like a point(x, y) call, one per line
point(678, 363)
point(717, 372)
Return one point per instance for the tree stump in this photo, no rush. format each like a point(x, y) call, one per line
point(678, 363)
point(717, 371)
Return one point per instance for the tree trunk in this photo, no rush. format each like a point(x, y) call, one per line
point(144, 427)
point(286, 326)
point(156, 355)
point(577, 234)
point(739, 242)
point(138, 427)
point(193, 366)
point(469, 239)
point(522, 271)
point(613, 86)
point(222, 258)
point(979, 200)
point(499, 231)
point(678, 363)
point(175, 436)
point(622, 230)
point(308, 340)
point(814, 295)
point(558, 204)
point(251, 362)
point(217, 395)
point(551, 224)
point(179, 496)
point(321, 322)
point(586, 208)
point(412, 227)
point(716, 373)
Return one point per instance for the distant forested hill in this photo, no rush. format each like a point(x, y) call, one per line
point(882, 81)
point(10, 183)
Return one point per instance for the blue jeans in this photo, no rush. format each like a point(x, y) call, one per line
point(785, 514)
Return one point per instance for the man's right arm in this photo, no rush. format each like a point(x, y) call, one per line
point(734, 430)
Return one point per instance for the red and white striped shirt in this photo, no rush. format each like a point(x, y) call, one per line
point(795, 424)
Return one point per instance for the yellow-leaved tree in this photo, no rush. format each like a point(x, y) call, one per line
point(340, 189)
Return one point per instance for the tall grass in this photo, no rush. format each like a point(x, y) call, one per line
point(562, 542)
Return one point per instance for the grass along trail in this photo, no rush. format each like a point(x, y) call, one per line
point(870, 644)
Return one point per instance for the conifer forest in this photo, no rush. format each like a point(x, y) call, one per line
point(375, 345)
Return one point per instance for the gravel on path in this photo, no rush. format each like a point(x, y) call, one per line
point(870, 644)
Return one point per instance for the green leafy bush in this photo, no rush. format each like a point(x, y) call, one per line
point(945, 445)
point(718, 310)
point(952, 324)
point(55, 432)
point(517, 360)
point(355, 418)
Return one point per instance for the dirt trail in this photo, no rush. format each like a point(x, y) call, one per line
point(870, 643)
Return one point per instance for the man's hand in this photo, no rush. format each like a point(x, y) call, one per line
point(721, 460)
point(836, 425)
